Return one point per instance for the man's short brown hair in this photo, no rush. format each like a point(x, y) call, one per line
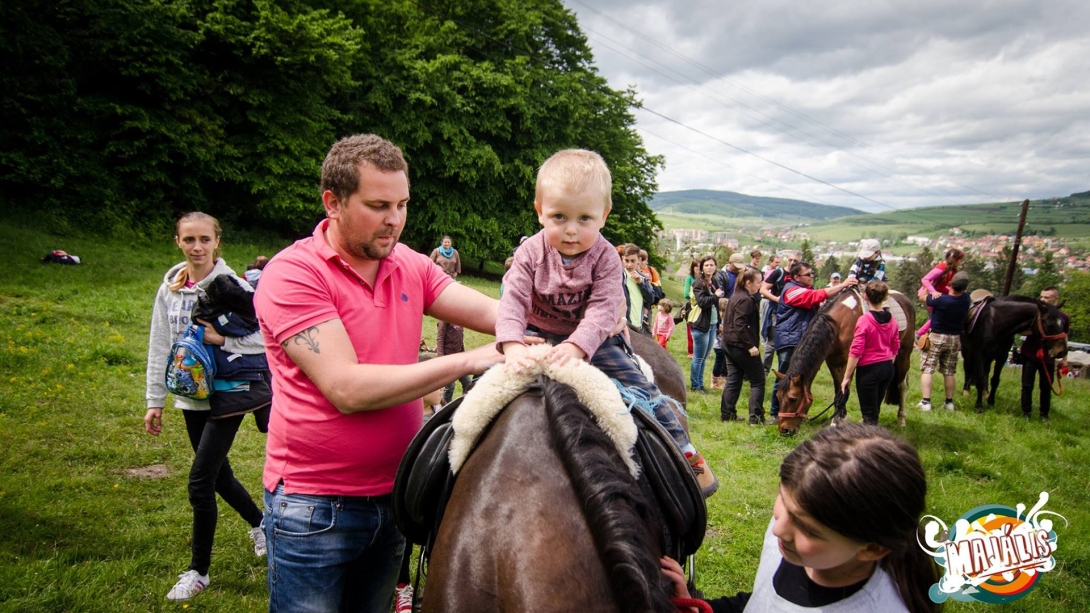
point(341, 168)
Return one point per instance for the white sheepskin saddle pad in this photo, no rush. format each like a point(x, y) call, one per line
point(497, 388)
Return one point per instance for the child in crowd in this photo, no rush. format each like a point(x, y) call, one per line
point(638, 287)
point(719, 367)
point(253, 271)
point(449, 340)
point(937, 282)
point(843, 536)
point(565, 286)
point(869, 263)
point(506, 266)
point(664, 322)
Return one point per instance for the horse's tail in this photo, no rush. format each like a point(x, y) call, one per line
point(615, 508)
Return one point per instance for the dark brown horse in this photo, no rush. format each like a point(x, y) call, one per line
point(545, 517)
point(827, 339)
point(993, 330)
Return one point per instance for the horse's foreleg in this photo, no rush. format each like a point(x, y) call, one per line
point(903, 385)
point(840, 397)
point(997, 370)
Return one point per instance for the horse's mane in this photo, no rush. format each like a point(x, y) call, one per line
point(615, 508)
point(814, 347)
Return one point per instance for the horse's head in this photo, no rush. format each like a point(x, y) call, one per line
point(794, 398)
point(1050, 326)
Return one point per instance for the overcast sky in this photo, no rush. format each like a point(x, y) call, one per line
point(928, 102)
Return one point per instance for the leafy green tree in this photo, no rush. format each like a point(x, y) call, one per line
point(122, 113)
point(1046, 276)
point(979, 276)
point(1076, 296)
point(999, 272)
point(906, 277)
point(807, 253)
point(830, 266)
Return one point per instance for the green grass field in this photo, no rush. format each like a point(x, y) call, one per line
point(83, 532)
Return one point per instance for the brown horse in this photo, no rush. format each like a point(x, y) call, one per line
point(545, 517)
point(827, 339)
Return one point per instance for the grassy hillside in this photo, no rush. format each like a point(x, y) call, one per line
point(86, 531)
point(1068, 217)
point(702, 202)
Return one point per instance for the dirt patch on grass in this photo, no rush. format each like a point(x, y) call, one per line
point(155, 471)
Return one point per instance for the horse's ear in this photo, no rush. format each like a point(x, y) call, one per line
point(1060, 304)
point(779, 375)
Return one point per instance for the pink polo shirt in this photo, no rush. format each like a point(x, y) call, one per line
point(312, 447)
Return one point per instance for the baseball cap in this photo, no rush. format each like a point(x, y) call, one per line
point(835, 275)
point(960, 281)
point(737, 258)
point(869, 247)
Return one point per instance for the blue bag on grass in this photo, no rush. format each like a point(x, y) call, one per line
point(190, 367)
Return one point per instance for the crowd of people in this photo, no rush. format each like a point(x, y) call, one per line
point(344, 408)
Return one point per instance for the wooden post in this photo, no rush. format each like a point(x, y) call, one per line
point(1014, 250)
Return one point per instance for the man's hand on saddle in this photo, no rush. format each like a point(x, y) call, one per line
point(564, 353)
point(851, 282)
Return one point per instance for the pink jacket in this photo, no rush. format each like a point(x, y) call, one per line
point(873, 341)
point(664, 325)
point(935, 281)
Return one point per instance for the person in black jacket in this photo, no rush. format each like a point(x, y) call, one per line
point(741, 343)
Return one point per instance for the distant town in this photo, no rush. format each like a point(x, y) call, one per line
point(987, 246)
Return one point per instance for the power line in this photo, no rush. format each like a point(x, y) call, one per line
point(755, 94)
point(771, 126)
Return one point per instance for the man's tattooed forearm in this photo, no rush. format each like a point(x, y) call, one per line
point(306, 337)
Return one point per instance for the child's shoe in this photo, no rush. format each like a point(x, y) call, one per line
point(189, 584)
point(708, 483)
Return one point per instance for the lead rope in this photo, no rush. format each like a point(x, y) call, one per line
point(1048, 373)
point(687, 604)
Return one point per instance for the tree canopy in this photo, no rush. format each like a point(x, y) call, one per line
point(126, 113)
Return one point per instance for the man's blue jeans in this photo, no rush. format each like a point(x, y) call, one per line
point(331, 554)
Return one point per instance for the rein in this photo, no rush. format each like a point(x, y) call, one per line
point(806, 413)
point(1041, 355)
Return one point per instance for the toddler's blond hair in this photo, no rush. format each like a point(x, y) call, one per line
point(575, 170)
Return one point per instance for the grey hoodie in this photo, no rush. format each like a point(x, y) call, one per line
point(169, 320)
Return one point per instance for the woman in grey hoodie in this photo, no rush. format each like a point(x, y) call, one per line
point(198, 236)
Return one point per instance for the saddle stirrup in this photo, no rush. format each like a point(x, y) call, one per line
point(690, 566)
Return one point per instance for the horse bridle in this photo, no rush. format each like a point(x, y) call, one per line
point(1041, 330)
point(803, 413)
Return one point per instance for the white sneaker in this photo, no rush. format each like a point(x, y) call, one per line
point(404, 600)
point(924, 405)
point(257, 535)
point(188, 585)
point(949, 406)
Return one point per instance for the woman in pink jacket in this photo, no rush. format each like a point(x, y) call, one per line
point(875, 344)
point(935, 283)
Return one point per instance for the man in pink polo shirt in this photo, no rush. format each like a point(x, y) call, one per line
point(341, 312)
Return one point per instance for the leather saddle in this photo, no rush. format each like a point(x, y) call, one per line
point(424, 483)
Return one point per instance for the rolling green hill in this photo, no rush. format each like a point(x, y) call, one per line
point(703, 202)
point(1068, 217)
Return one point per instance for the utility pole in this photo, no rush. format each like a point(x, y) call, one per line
point(1014, 250)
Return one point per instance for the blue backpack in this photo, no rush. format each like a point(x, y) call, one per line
point(190, 367)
